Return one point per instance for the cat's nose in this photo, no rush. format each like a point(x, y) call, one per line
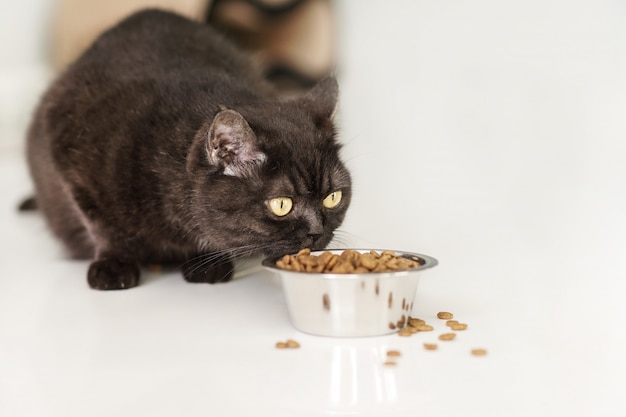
point(314, 237)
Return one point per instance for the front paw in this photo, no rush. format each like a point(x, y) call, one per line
point(214, 273)
point(112, 274)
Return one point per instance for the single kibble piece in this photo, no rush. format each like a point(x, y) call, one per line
point(404, 332)
point(459, 326)
point(304, 252)
point(293, 344)
point(281, 345)
point(424, 328)
point(451, 322)
point(430, 346)
point(414, 322)
point(444, 315)
point(479, 352)
point(447, 336)
point(393, 353)
point(389, 363)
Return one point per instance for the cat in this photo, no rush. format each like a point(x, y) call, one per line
point(163, 143)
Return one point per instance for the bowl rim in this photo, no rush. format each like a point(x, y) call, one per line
point(425, 260)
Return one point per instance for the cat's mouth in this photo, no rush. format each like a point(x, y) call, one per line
point(313, 243)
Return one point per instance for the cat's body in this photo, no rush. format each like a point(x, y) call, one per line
point(163, 144)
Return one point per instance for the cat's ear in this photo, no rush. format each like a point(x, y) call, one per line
point(324, 96)
point(229, 146)
point(232, 144)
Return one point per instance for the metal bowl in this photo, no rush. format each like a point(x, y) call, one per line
point(351, 305)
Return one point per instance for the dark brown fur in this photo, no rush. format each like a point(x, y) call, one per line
point(162, 143)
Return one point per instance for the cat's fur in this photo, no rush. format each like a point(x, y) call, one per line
point(162, 143)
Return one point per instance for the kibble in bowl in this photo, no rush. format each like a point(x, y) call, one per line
point(351, 292)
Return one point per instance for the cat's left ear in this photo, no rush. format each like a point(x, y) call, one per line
point(324, 96)
point(232, 144)
point(229, 146)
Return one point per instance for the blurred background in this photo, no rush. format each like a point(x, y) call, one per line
point(25, 66)
point(488, 134)
point(292, 40)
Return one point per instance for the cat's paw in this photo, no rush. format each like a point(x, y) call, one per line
point(112, 274)
point(222, 272)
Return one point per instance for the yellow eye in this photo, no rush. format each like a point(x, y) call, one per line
point(281, 206)
point(332, 200)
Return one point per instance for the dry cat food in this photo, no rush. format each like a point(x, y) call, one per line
point(415, 325)
point(444, 315)
point(414, 322)
point(447, 336)
point(289, 344)
point(392, 356)
point(348, 262)
point(405, 332)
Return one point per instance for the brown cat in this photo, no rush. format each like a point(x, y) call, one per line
point(163, 143)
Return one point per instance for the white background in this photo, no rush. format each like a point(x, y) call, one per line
point(488, 134)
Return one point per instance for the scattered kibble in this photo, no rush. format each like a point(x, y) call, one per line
point(289, 344)
point(414, 322)
point(447, 336)
point(413, 325)
point(293, 344)
point(479, 352)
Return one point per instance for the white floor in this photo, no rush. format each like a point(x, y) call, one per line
point(487, 134)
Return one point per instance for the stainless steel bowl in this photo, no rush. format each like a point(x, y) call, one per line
point(351, 305)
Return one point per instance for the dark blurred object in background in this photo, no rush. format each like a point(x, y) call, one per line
point(292, 40)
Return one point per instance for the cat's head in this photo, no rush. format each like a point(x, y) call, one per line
point(268, 177)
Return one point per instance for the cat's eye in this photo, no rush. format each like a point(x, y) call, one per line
point(281, 206)
point(332, 200)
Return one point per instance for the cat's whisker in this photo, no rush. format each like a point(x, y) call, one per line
point(222, 257)
point(340, 240)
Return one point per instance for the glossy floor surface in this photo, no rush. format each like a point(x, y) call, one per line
point(487, 134)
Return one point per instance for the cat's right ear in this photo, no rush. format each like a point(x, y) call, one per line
point(228, 146)
point(324, 97)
